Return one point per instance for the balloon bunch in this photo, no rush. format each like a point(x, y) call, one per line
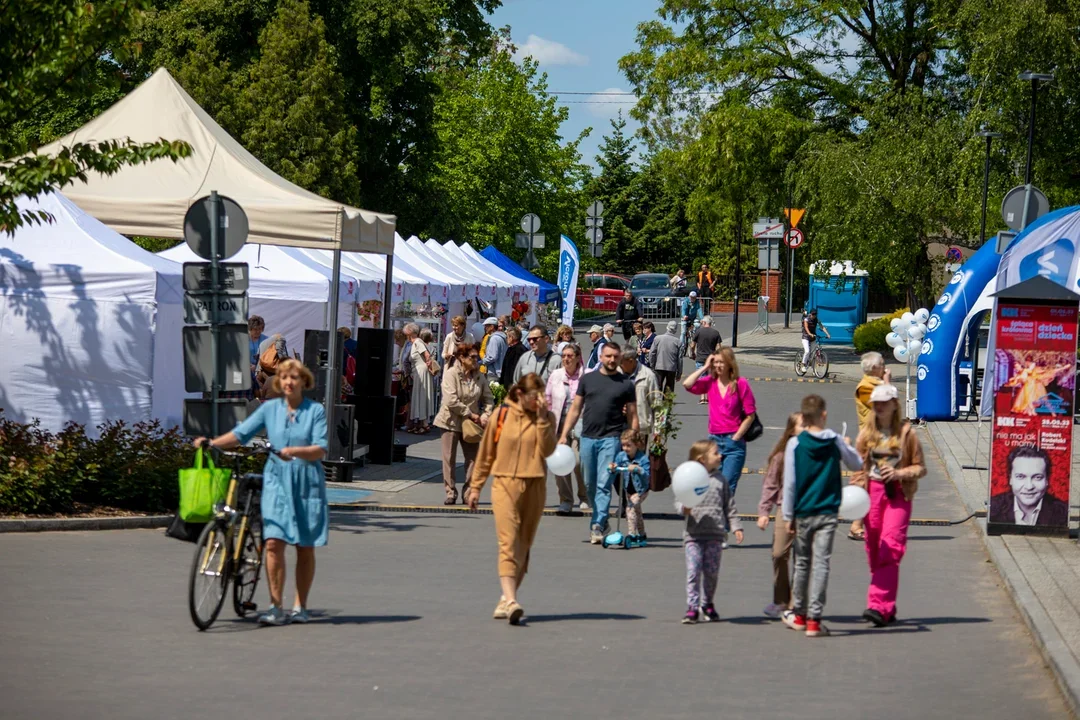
point(906, 338)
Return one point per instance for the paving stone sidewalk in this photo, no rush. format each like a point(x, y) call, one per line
point(1041, 574)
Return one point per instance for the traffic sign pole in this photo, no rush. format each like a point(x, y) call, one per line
point(215, 345)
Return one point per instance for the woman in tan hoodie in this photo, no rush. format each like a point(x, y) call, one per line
point(519, 437)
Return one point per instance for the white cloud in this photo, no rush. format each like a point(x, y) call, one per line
point(549, 52)
point(606, 104)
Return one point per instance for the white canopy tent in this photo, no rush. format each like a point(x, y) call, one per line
point(152, 199)
point(531, 290)
point(462, 286)
point(288, 294)
point(406, 285)
point(89, 322)
point(504, 291)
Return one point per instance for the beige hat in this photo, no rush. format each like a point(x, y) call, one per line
point(884, 393)
point(596, 329)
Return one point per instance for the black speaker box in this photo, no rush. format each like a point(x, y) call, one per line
point(375, 427)
point(374, 361)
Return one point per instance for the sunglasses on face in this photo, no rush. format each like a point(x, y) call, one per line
point(533, 340)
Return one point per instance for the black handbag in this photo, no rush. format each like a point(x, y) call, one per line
point(180, 530)
point(756, 428)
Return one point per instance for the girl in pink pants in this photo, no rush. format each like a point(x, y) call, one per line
point(892, 465)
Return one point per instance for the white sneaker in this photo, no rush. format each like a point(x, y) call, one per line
point(565, 507)
point(584, 507)
point(596, 535)
point(773, 610)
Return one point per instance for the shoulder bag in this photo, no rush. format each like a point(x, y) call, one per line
point(756, 429)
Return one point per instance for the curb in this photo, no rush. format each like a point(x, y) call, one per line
point(103, 523)
point(1053, 648)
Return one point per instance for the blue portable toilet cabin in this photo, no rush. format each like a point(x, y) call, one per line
point(838, 292)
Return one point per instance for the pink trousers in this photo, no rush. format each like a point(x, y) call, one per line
point(886, 543)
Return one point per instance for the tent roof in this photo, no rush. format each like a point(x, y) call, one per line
point(76, 255)
point(152, 198)
point(275, 274)
point(548, 292)
point(500, 289)
point(462, 287)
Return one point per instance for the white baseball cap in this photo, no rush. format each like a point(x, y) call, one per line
point(693, 293)
point(596, 329)
point(492, 321)
point(884, 393)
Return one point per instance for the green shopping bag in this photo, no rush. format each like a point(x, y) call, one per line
point(201, 488)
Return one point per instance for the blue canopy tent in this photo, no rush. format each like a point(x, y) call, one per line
point(548, 291)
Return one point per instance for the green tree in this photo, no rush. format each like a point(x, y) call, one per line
point(500, 154)
point(611, 187)
point(291, 106)
point(51, 48)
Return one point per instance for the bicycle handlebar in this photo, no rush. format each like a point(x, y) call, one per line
point(254, 451)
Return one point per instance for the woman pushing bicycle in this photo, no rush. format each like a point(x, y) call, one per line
point(294, 509)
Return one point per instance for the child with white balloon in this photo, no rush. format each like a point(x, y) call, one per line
point(702, 494)
point(893, 464)
point(636, 485)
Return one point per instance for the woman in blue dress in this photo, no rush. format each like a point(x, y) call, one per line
point(294, 510)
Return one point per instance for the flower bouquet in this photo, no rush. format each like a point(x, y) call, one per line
point(498, 392)
point(369, 310)
point(665, 427)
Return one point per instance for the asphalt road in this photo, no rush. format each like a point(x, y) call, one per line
point(95, 625)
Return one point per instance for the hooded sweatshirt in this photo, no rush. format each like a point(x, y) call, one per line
point(812, 473)
point(525, 440)
point(862, 398)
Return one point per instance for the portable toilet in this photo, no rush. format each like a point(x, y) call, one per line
point(838, 292)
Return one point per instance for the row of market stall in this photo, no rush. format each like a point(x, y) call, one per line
point(91, 322)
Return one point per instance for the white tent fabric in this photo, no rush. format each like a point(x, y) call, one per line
point(151, 199)
point(462, 286)
point(89, 322)
point(407, 285)
point(449, 254)
point(530, 291)
point(288, 294)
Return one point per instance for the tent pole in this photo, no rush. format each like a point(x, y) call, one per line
point(388, 292)
point(332, 351)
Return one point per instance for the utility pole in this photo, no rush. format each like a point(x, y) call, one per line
point(738, 278)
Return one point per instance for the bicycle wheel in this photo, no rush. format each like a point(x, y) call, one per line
point(821, 365)
point(800, 369)
point(210, 571)
point(249, 567)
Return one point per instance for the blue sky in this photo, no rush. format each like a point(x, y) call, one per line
point(578, 44)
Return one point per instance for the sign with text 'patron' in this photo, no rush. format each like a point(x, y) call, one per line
point(230, 308)
point(1033, 385)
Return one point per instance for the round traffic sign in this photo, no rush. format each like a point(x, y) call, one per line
point(596, 209)
point(530, 223)
point(232, 227)
point(794, 238)
point(1012, 206)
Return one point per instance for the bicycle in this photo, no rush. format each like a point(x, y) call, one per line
point(230, 548)
point(819, 361)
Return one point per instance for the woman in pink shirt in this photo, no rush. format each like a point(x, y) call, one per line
point(731, 409)
point(561, 389)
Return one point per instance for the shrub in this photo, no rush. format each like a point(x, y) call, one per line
point(128, 466)
point(871, 335)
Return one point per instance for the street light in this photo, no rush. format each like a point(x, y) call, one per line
point(1034, 78)
point(989, 135)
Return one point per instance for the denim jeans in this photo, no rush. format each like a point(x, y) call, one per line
point(734, 454)
point(814, 536)
point(596, 455)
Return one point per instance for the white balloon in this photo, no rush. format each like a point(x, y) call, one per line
point(900, 352)
point(922, 315)
point(562, 461)
point(908, 318)
point(917, 332)
point(893, 340)
point(893, 323)
point(690, 482)
point(914, 348)
point(902, 326)
point(854, 503)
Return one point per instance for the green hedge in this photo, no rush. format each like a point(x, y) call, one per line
point(131, 467)
point(871, 336)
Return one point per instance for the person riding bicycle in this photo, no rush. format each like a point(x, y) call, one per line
point(810, 326)
point(691, 310)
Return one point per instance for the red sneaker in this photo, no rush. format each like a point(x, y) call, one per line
point(793, 621)
point(814, 628)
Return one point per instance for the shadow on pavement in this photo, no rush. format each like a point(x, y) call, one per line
point(358, 523)
point(581, 616)
point(930, 537)
point(324, 618)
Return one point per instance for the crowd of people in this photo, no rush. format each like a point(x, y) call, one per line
point(603, 408)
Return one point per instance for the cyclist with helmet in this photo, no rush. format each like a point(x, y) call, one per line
point(810, 327)
point(691, 310)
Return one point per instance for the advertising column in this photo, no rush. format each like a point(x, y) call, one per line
point(1033, 387)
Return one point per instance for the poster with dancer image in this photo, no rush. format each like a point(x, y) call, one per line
point(1033, 386)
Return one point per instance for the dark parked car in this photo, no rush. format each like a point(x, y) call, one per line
point(649, 290)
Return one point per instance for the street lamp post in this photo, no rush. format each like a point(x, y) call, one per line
point(1034, 79)
point(989, 135)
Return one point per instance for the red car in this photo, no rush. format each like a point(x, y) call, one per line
point(601, 291)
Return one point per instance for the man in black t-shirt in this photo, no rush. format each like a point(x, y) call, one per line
point(606, 404)
point(627, 314)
